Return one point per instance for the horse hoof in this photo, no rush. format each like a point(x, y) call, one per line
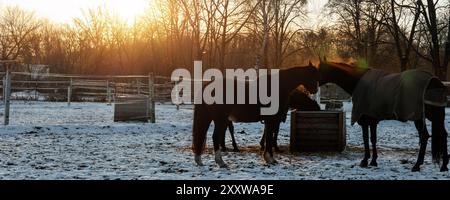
point(444, 169)
point(219, 160)
point(236, 150)
point(269, 159)
point(364, 164)
point(374, 163)
point(271, 162)
point(415, 169)
point(223, 165)
point(224, 149)
point(278, 150)
point(198, 160)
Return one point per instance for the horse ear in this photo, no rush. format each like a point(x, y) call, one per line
point(310, 63)
point(325, 58)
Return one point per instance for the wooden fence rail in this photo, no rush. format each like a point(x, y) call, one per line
point(104, 88)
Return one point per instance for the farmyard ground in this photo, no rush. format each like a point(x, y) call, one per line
point(48, 140)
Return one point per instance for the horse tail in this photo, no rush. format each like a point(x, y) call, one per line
point(202, 120)
point(439, 135)
point(435, 102)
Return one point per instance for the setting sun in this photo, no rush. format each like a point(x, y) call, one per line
point(65, 11)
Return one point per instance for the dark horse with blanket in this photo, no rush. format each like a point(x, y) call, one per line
point(412, 95)
point(221, 114)
point(298, 100)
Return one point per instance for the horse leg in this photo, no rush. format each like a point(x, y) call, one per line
point(365, 130)
point(268, 133)
point(233, 139)
point(423, 136)
point(223, 147)
point(220, 127)
point(275, 138)
point(445, 155)
point(199, 132)
point(443, 143)
point(373, 140)
point(440, 134)
point(444, 136)
point(263, 140)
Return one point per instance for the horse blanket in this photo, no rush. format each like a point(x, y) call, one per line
point(395, 96)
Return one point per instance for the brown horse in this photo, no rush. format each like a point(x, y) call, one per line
point(348, 77)
point(221, 114)
point(297, 100)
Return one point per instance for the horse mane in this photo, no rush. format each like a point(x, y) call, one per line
point(350, 69)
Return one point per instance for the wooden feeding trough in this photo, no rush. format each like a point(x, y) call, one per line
point(318, 131)
point(132, 108)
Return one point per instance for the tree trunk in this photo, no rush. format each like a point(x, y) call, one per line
point(447, 46)
point(400, 53)
point(440, 71)
point(357, 22)
point(265, 45)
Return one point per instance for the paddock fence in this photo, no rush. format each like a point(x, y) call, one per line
point(107, 88)
point(82, 88)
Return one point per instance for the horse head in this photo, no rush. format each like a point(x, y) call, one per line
point(313, 76)
point(326, 71)
point(342, 74)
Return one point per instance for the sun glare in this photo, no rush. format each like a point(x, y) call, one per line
point(127, 9)
point(64, 11)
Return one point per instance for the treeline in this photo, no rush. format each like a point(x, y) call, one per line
point(392, 34)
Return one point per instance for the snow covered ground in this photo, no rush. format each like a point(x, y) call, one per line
point(53, 141)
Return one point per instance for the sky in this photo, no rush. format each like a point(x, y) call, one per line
point(63, 11)
point(315, 13)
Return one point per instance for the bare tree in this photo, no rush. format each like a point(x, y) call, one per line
point(447, 42)
point(287, 18)
point(317, 44)
point(401, 22)
point(403, 42)
point(231, 17)
point(276, 24)
point(359, 28)
point(433, 31)
point(349, 19)
point(16, 27)
point(95, 36)
point(199, 14)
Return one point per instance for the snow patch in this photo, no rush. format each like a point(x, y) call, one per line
point(55, 141)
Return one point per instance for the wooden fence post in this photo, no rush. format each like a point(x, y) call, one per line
point(69, 92)
point(114, 91)
point(36, 90)
point(151, 96)
point(4, 89)
point(7, 96)
point(138, 83)
point(177, 98)
point(108, 92)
